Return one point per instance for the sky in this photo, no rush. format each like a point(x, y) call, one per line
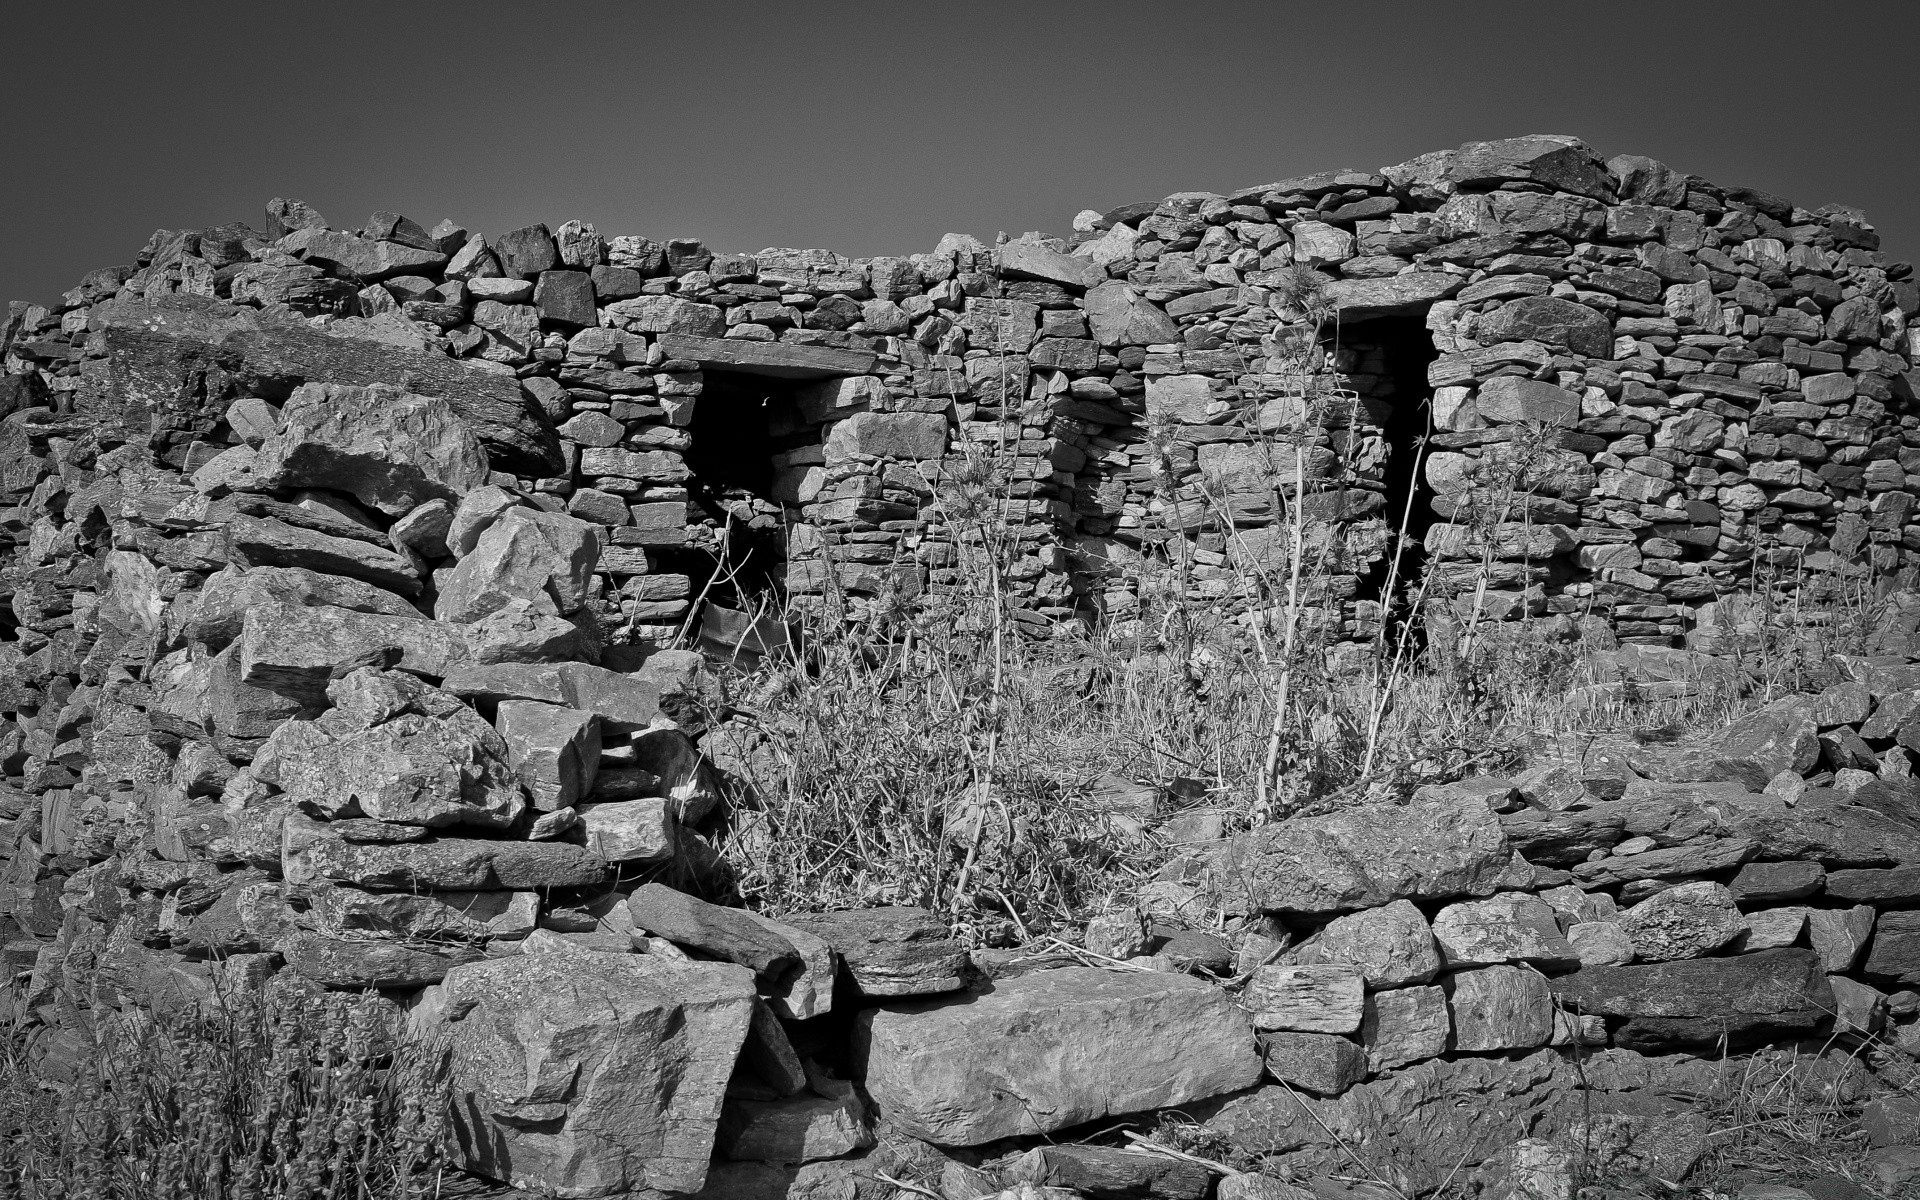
point(874, 128)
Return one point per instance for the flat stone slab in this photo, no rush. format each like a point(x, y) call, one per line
point(898, 951)
point(782, 360)
point(1053, 1049)
point(311, 854)
point(1696, 1001)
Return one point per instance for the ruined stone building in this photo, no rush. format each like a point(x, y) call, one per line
point(1632, 383)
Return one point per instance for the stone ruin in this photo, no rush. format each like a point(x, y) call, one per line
point(340, 567)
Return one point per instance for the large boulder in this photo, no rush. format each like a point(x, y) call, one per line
point(1366, 857)
point(396, 750)
point(584, 1075)
point(1050, 1050)
point(390, 449)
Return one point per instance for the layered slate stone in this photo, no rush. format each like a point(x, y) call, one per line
point(390, 449)
point(312, 854)
point(1696, 1001)
point(1035, 1054)
point(1366, 857)
point(898, 951)
point(592, 1075)
point(782, 360)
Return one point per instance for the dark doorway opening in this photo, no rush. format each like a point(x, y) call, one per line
point(1401, 389)
point(730, 454)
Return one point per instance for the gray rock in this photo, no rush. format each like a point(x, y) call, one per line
point(369, 963)
point(218, 614)
point(1562, 163)
point(1499, 1008)
point(390, 449)
point(1108, 1172)
point(477, 510)
point(1673, 862)
point(807, 992)
point(1821, 828)
point(1857, 1008)
point(1772, 929)
point(264, 542)
point(424, 530)
point(1551, 320)
point(1035, 1054)
point(1509, 928)
point(1772, 882)
point(294, 650)
point(1694, 1002)
point(717, 932)
point(1840, 935)
point(1366, 857)
point(1318, 1062)
point(524, 253)
point(1405, 1025)
point(554, 751)
point(396, 750)
point(627, 830)
point(1600, 943)
point(912, 436)
point(311, 854)
point(1507, 399)
point(890, 951)
point(1887, 888)
point(1391, 946)
point(622, 701)
point(1323, 999)
point(798, 1130)
point(782, 360)
point(1412, 292)
point(1686, 921)
point(1120, 316)
point(341, 911)
point(591, 1075)
point(526, 554)
point(1032, 260)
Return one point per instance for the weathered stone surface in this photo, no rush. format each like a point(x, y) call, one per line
point(396, 750)
point(592, 1075)
point(622, 701)
point(1323, 999)
point(389, 449)
point(1404, 1025)
point(264, 542)
point(311, 854)
point(1120, 316)
point(1034, 261)
point(1562, 163)
point(1564, 838)
point(1508, 399)
point(807, 992)
point(1673, 862)
point(1695, 1001)
point(294, 650)
point(1822, 828)
point(1319, 1062)
point(1391, 946)
point(424, 530)
point(1772, 882)
point(1548, 319)
point(219, 613)
point(1366, 857)
point(1896, 947)
point(890, 951)
point(1509, 928)
point(782, 360)
point(1840, 935)
point(368, 963)
point(1413, 292)
point(343, 911)
point(1499, 1008)
point(161, 350)
point(627, 830)
point(797, 1130)
point(1109, 1173)
point(1034, 1054)
point(1891, 887)
point(525, 554)
point(717, 932)
point(915, 436)
point(554, 751)
point(1686, 921)
point(364, 258)
point(1600, 943)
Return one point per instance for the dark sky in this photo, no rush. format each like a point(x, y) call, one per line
point(874, 128)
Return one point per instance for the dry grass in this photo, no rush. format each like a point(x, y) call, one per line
point(293, 1099)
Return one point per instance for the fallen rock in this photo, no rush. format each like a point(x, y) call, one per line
point(890, 951)
point(1034, 1054)
point(1367, 857)
point(592, 1075)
